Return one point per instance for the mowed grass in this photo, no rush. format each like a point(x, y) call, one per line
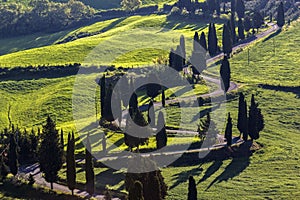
point(132, 41)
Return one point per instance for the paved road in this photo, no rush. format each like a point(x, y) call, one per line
point(34, 169)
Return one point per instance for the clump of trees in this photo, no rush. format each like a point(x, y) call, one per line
point(41, 16)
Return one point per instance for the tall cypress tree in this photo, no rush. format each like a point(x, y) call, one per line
point(212, 40)
point(247, 24)
point(240, 8)
point(280, 15)
point(62, 139)
point(203, 42)
point(89, 168)
point(50, 154)
point(71, 165)
point(255, 121)
point(161, 136)
point(192, 190)
point(196, 42)
point(233, 3)
point(228, 130)
point(172, 58)
point(225, 74)
point(242, 117)
point(102, 94)
point(241, 29)
point(227, 41)
point(151, 114)
point(233, 30)
point(163, 98)
point(13, 155)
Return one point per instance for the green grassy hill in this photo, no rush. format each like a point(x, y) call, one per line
point(155, 36)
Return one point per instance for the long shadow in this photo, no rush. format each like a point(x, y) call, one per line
point(113, 24)
point(211, 170)
point(105, 178)
point(117, 143)
point(293, 89)
point(237, 166)
point(272, 35)
point(184, 176)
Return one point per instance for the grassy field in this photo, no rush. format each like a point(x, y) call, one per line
point(131, 41)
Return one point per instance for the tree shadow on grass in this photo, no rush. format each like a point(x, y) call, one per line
point(211, 170)
point(184, 176)
point(237, 166)
point(105, 178)
point(272, 35)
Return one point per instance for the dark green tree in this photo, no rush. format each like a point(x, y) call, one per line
point(108, 115)
point(196, 42)
point(89, 168)
point(13, 155)
point(241, 29)
point(4, 169)
point(233, 28)
point(50, 153)
point(161, 136)
point(151, 114)
point(225, 74)
point(212, 40)
point(211, 6)
point(172, 58)
point(218, 7)
point(255, 120)
point(228, 131)
point(153, 88)
point(192, 190)
point(203, 126)
point(203, 42)
point(179, 61)
point(71, 165)
point(240, 8)
point(163, 98)
point(227, 41)
point(280, 15)
point(242, 117)
point(257, 20)
point(136, 191)
point(247, 24)
point(62, 139)
point(233, 3)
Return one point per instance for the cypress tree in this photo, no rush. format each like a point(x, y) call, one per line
point(225, 74)
point(255, 120)
point(102, 94)
point(163, 98)
point(257, 20)
point(218, 7)
point(13, 155)
point(62, 139)
point(241, 29)
point(203, 42)
point(212, 40)
point(4, 169)
point(227, 42)
point(280, 15)
point(247, 24)
point(196, 42)
point(172, 58)
point(228, 130)
point(203, 126)
point(240, 8)
point(108, 115)
point(89, 168)
point(242, 117)
point(161, 136)
point(233, 31)
point(178, 59)
point(50, 154)
point(233, 3)
point(151, 114)
point(71, 165)
point(192, 190)
point(136, 191)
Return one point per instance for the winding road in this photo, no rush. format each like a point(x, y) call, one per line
point(34, 169)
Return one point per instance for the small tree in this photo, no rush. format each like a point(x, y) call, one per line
point(257, 20)
point(203, 42)
point(89, 168)
point(228, 131)
point(13, 155)
point(102, 94)
point(240, 8)
point(227, 41)
point(280, 15)
point(163, 98)
point(225, 74)
point(50, 154)
point(192, 190)
point(151, 114)
point(131, 4)
point(161, 136)
point(4, 169)
point(62, 139)
point(212, 40)
point(247, 24)
point(71, 165)
point(203, 127)
point(242, 117)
